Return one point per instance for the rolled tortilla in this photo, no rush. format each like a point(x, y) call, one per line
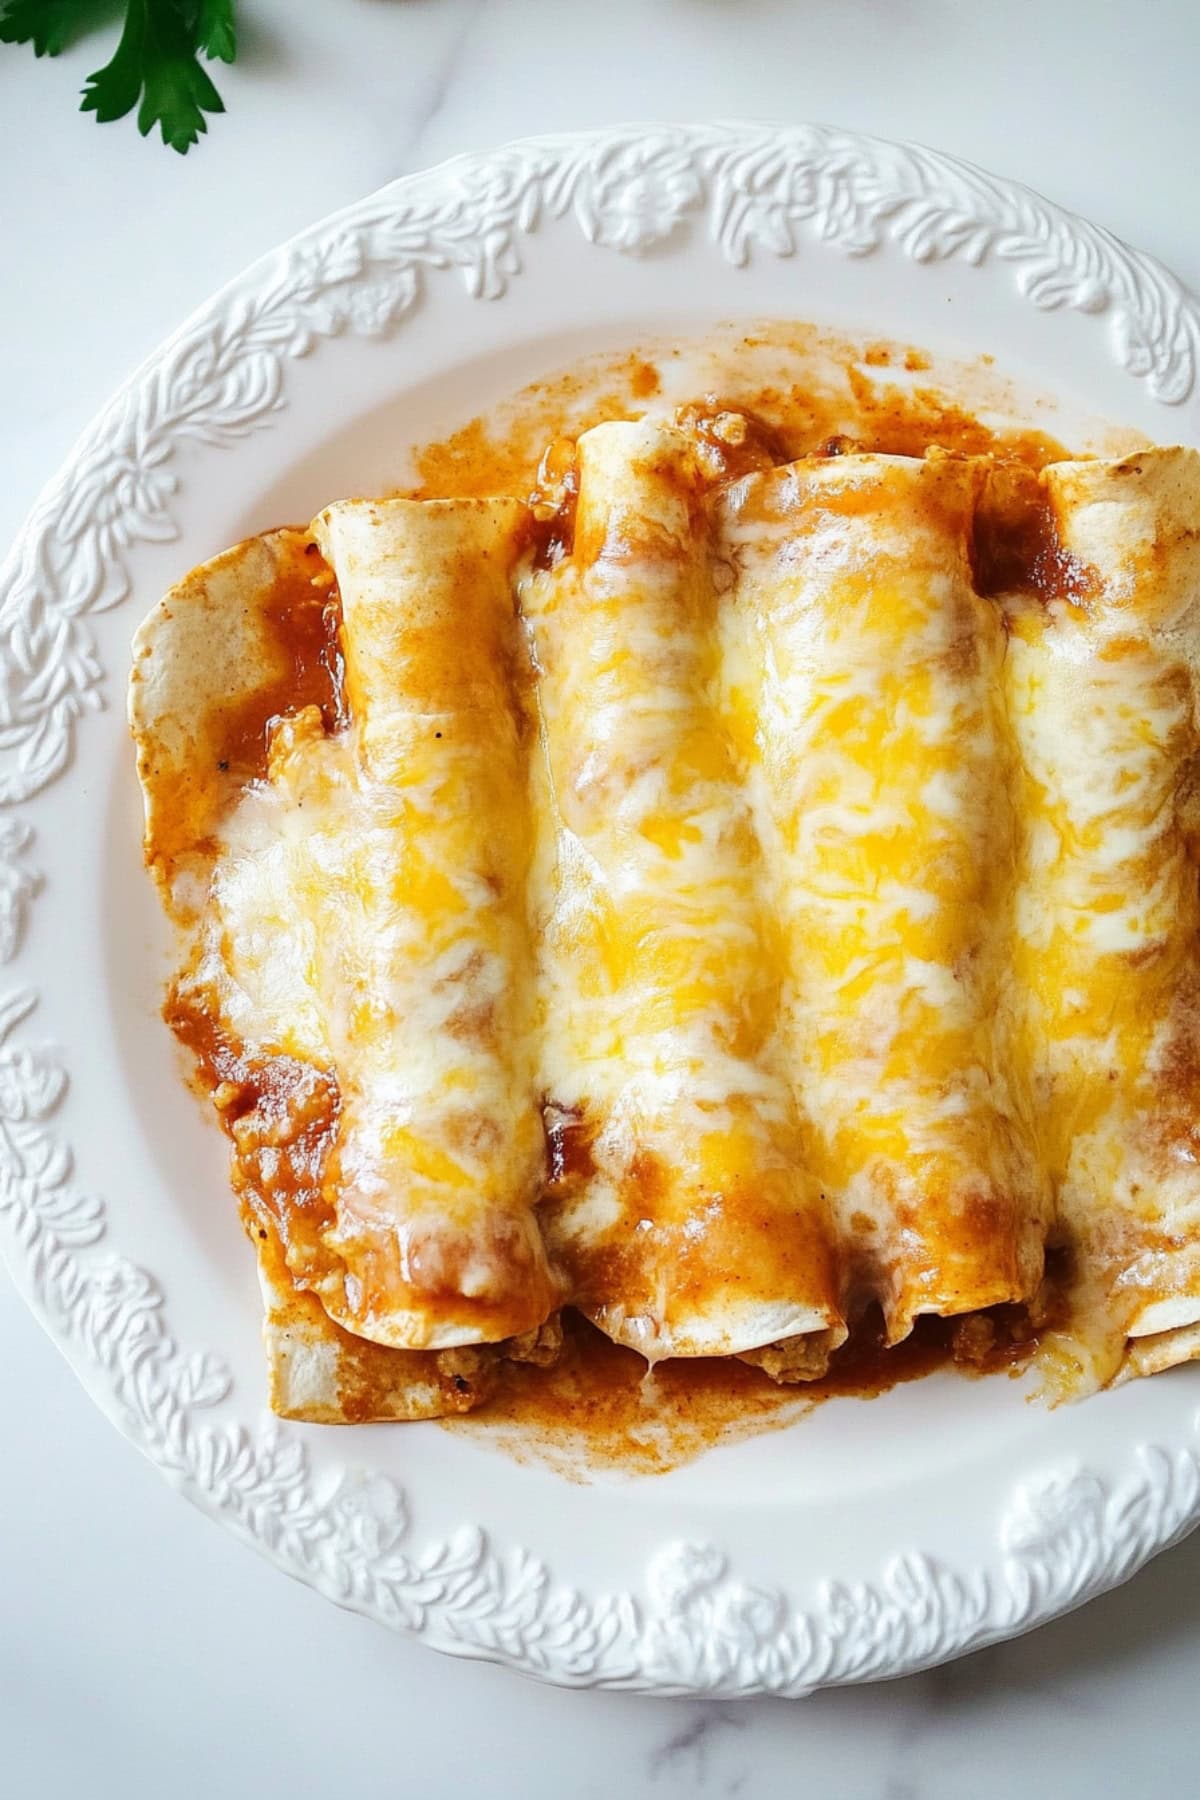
point(236, 642)
point(685, 1216)
point(240, 641)
point(867, 673)
point(423, 946)
point(1102, 696)
point(324, 1375)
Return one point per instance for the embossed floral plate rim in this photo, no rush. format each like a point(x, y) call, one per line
point(691, 1584)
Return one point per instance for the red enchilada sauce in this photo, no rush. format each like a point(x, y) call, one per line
point(1016, 548)
point(303, 618)
point(602, 1406)
point(280, 1114)
point(281, 1117)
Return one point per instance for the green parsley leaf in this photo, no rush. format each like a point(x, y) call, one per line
point(113, 90)
point(50, 25)
point(157, 62)
point(215, 31)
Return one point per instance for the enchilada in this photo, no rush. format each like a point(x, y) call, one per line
point(729, 907)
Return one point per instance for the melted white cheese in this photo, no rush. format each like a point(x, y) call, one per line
point(871, 674)
point(658, 973)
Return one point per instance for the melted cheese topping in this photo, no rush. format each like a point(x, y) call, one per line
point(841, 922)
point(1108, 917)
point(698, 1228)
point(872, 672)
point(367, 918)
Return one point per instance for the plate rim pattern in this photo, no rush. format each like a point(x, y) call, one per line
point(691, 1624)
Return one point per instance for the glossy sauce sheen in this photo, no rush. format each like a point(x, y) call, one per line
point(601, 1407)
point(281, 1117)
point(1016, 547)
point(304, 619)
point(813, 392)
point(229, 675)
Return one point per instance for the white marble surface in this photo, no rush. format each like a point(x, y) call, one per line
point(139, 1647)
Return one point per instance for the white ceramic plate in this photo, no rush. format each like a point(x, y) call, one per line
point(869, 1539)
